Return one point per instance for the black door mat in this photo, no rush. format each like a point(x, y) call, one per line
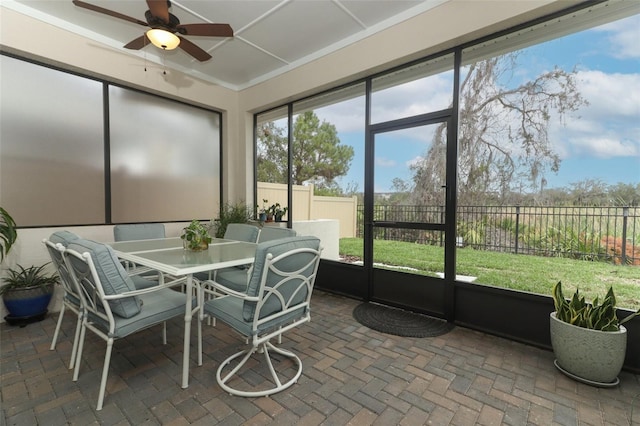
point(398, 322)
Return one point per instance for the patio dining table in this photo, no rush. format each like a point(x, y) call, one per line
point(167, 255)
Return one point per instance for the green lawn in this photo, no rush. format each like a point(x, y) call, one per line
point(521, 272)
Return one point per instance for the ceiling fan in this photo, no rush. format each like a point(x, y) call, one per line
point(166, 30)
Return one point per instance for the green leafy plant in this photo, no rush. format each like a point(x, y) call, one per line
point(595, 315)
point(196, 236)
point(277, 211)
point(33, 276)
point(8, 233)
point(264, 208)
point(232, 213)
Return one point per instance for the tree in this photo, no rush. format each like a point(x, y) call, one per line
point(272, 154)
point(588, 192)
point(625, 194)
point(400, 192)
point(318, 156)
point(503, 142)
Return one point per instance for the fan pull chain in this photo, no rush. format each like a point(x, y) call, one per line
point(144, 44)
point(164, 64)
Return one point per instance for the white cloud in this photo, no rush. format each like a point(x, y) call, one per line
point(610, 94)
point(428, 94)
point(623, 36)
point(347, 116)
point(605, 147)
point(385, 162)
point(609, 126)
point(406, 100)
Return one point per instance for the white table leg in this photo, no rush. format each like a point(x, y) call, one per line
point(187, 332)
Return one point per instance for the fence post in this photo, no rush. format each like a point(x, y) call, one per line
point(517, 226)
point(625, 217)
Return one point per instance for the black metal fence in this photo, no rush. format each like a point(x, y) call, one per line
point(591, 233)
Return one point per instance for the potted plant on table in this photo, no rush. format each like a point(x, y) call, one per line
point(588, 340)
point(196, 236)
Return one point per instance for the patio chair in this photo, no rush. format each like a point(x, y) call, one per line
point(235, 278)
point(242, 232)
point(71, 298)
point(112, 305)
point(237, 274)
point(268, 233)
point(276, 300)
point(138, 231)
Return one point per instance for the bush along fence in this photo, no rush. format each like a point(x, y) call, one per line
point(610, 234)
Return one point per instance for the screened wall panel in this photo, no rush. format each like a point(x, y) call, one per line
point(51, 146)
point(165, 159)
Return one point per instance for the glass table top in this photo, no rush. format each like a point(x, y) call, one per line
point(169, 256)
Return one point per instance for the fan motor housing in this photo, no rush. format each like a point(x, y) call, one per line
point(155, 22)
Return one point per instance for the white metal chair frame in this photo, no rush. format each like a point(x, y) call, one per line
point(71, 294)
point(97, 309)
point(261, 339)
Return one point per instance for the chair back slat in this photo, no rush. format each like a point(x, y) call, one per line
point(282, 278)
point(138, 231)
point(57, 259)
point(292, 291)
point(242, 232)
point(270, 233)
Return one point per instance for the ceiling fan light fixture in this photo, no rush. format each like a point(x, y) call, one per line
point(163, 39)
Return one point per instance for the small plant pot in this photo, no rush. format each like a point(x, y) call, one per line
point(591, 356)
point(193, 246)
point(28, 301)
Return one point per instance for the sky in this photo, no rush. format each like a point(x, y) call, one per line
point(601, 141)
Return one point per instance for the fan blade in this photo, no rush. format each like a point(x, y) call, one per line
point(193, 50)
point(108, 12)
point(138, 43)
point(159, 9)
point(211, 30)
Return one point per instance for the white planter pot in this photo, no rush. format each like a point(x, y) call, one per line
point(592, 356)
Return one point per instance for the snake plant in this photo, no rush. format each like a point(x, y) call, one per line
point(595, 315)
point(33, 276)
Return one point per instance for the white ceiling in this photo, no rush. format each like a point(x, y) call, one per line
point(271, 36)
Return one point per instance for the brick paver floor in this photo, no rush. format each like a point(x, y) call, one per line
point(352, 375)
